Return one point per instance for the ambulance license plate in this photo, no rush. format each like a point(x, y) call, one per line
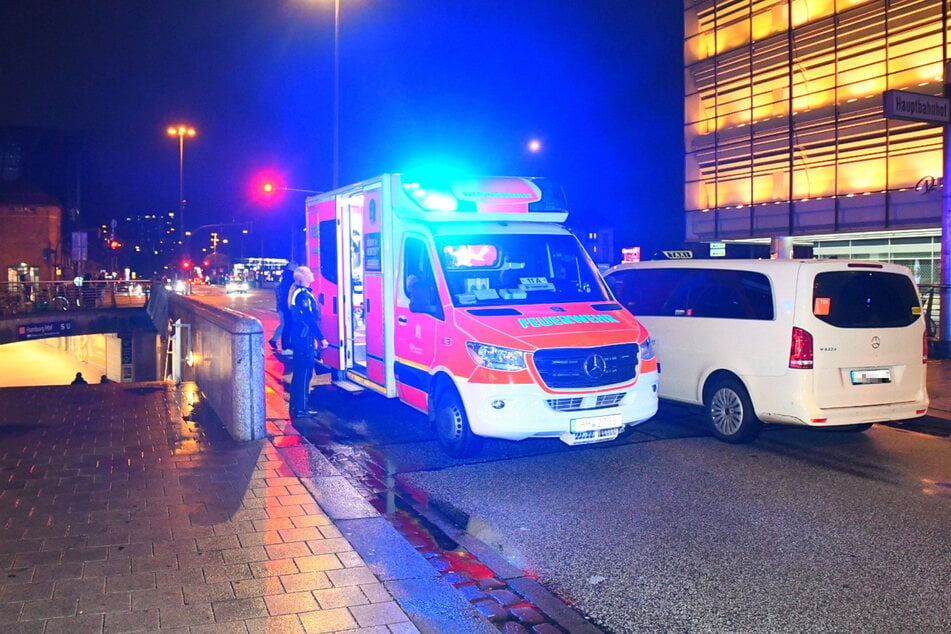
point(593, 423)
point(862, 377)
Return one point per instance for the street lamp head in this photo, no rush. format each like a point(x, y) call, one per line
point(181, 131)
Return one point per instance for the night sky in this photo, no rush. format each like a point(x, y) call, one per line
point(461, 84)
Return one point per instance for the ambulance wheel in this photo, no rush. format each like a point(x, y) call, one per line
point(729, 412)
point(452, 427)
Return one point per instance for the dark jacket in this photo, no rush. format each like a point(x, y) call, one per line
point(305, 318)
point(283, 290)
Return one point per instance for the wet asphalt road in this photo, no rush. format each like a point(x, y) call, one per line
point(670, 530)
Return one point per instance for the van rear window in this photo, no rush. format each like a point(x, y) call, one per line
point(865, 299)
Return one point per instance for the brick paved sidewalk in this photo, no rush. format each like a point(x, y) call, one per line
point(117, 515)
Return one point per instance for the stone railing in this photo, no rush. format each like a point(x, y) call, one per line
point(222, 352)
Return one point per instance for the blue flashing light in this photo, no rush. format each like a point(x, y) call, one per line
point(438, 201)
point(431, 199)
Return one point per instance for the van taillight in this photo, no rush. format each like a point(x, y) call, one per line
point(924, 348)
point(800, 350)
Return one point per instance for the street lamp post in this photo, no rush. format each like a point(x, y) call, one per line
point(336, 106)
point(336, 163)
point(181, 131)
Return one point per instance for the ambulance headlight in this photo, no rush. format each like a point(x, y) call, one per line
point(647, 350)
point(496, 358)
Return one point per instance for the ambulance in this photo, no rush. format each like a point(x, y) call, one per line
point(469, 301)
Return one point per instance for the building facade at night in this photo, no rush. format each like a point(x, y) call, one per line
point(786, 134)
point(30, 235)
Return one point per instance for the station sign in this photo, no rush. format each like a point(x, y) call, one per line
point(44, 330)
point(912, 106)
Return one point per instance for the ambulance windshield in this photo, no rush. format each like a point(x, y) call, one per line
point(507, 269)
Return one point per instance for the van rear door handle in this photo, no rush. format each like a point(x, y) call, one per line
point(401, 319)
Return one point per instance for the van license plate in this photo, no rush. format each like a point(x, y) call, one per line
point(860, 377)
point(592, 423)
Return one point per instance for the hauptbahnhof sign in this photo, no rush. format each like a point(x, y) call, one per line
point(912, 106)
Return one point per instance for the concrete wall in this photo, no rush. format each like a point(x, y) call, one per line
point(227, 362)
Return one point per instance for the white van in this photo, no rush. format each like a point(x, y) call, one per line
point(823, 343)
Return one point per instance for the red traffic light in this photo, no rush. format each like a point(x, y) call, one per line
point(114, 244)
point(266, 187)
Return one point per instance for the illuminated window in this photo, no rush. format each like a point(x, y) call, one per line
point(780, 117)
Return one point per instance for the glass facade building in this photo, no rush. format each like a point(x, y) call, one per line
point(785, 129)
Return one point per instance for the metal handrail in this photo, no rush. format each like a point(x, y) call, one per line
point(932, 311)
point(24, 298)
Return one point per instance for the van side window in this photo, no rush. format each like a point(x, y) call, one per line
point(718, 300)
point(419, 281)
point(726, 294)
point(865, 299)
point(713, 293)
point(650, 291)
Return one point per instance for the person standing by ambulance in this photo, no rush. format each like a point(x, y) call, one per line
point(305, 336)
point(281, 294)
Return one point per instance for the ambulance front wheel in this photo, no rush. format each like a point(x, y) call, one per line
point(452, 427)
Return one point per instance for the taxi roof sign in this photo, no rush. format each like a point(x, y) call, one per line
point(682, 254)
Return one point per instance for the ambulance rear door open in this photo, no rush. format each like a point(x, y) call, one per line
point(322, 259)
point(353, 303)
point(367, 333)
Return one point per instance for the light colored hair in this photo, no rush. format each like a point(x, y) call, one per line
point(300, 272)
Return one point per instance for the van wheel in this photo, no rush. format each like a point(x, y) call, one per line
point(452, 427)
point(730, 412)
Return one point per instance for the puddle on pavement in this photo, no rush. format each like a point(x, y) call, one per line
point(476, 581)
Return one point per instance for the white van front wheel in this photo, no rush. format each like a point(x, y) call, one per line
point(452, 427)
point(730, 412)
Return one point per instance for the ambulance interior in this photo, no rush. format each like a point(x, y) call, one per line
point(507, 269)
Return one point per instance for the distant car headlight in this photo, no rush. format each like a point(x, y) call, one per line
point(496, 357)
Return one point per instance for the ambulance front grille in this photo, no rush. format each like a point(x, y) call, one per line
point(575, 404)
point(587, 367)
